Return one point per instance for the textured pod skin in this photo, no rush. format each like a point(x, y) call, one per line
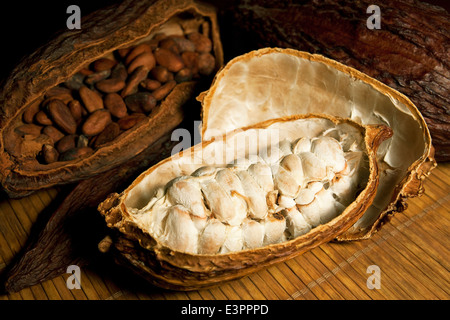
point(103, 32)
point(172, 269)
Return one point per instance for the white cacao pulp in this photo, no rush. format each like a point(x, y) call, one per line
point(281, 192)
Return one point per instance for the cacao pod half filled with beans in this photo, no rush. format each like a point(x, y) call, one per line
point(90, 101)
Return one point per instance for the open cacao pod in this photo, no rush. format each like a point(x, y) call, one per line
point(94, 98)
point(245, 200)
point(271, 83)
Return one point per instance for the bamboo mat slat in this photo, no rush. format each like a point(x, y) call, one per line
point(412, 252)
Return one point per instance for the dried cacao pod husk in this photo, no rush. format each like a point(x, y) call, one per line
point(113, 28)
point(270, 83)
point(408, 53)
point(136, 242)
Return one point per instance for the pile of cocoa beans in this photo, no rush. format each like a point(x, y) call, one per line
point(113, 94)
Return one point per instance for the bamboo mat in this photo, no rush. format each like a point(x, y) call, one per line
point(412, 254)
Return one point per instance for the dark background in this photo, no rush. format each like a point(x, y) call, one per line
point(27, 26)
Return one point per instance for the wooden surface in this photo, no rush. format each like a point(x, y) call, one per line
point(412, 253)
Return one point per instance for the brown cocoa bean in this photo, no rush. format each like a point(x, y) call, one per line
point(76, 153)
point(54, 134)
point(190, 60)
point(183, 75)
point(139, 49)
point(61, 116)
point(42, 118)
point(161, 74)
point(28, 129)
point(30, 111)
point(140, 102)
point(130, 121)
point(96, 122)
point(164, 90)
point(202, 43)
point(49, 154)
point(119, 72)
point(115, 104)
point(150, 84)
point(91, 99)
point(169, 44)
point(103, 64)
point(110, 85)
point(111, 131)
point(145, 59)
point(60, 93)
point(64, 98)
point(206, 64)
point(168, 59)
point(132, 84)
point(57, 92)
point(66, 143)
point(97, 76)
point(77, 110)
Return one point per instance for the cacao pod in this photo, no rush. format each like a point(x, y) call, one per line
point(68, 68)
point(257, 89)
